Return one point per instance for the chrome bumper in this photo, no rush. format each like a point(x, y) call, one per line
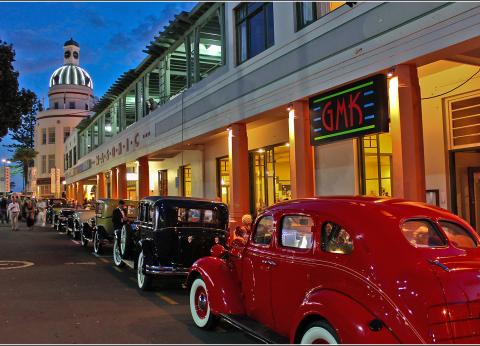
point(168, 271)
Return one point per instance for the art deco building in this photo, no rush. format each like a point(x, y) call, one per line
point(70, 99)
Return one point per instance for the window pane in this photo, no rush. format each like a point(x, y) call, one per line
point(257, 34)
point(242, 34)
point(264, 230)
point(421, 233)
point(270, 26)
point(458, 235)
point(297, 232)
point(336, 239)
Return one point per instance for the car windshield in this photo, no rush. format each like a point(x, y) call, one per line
point(197, 217)
point(422, 233)
point(458, 235)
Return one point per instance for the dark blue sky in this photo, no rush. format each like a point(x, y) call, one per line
point(111, 37)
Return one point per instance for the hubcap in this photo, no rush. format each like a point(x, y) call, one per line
point(201, 302)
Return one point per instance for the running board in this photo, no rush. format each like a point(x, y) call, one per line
point(254, 329)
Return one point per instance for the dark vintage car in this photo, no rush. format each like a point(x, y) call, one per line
point(99, 229)
point(63, 221)
point(346, 270)
point(53, 209)
point(169, 235)
point(79, 219)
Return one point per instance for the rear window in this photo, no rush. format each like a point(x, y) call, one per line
point(197, 217)
point(458, 236)
point(422, 233)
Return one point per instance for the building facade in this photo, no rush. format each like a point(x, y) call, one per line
point(255, 103)
point(70, 98)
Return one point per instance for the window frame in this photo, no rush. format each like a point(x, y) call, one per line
point(254, 232)
point(246, 19)
point(292, 248)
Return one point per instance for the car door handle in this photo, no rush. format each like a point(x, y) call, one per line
point(269, 263)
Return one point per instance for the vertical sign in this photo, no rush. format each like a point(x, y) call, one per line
point(58, 186)
point(7, 179)
point(354, 110)
point(52, 180)
point(33, 179)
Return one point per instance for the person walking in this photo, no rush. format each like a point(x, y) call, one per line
point(13, 211)
point(3, 210)
point(42, 212)
point(30, 213)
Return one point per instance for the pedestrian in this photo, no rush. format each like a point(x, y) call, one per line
point(3, 210)
point(30, 213)
point(245, 229)
point(42, 213)
point(119, 216)
point(14, 211)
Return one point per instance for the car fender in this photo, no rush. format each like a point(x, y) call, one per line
point(223, 287)
point(146, 245)
point(350, 319)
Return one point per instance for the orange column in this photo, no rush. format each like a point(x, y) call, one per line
point(407, 134)
point(113, 180)
point(80, 194)
point(239, 179)
point(122, 181)
point(143, 177)
point(301, 152)
point(100, 185)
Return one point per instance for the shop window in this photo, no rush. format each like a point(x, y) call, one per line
point(44, 136)
point(186, 180)
point(51, 135)
point(223, 179)
point(376, 165)
point(458, 235)
point(163, 182)
point(309, 12)
point(271, 176)
point(263, 231)
point(422, 233)
point(254, 29)
point(335, 239)
point(297, 231)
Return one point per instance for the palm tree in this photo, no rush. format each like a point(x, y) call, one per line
point(25, 157)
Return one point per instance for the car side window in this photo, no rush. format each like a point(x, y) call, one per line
point(422, 233)
point(296, 232)
point(458, 236)
point(151, 212)
point(263, 231)
point(336, 239)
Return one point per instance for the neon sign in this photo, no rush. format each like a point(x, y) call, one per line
point(354, 110)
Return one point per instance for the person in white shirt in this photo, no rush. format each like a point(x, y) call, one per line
point(42, 212)
point(14, 211)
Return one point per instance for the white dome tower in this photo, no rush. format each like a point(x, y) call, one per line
point(70, 99)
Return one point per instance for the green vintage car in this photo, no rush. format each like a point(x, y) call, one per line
point(99, 230)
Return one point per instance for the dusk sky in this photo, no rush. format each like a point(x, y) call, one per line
point(111, 37)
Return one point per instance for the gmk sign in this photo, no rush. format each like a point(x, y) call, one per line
point(354, 110)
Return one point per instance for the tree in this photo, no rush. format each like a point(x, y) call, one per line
point(11, 106)
point(24, 135)
point(24, 156)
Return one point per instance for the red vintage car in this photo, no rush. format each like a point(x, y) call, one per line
point(346, 270)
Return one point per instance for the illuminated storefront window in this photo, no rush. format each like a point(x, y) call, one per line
point(377, 165)
point(270, 171)
point(186, 179)
point(223, 179)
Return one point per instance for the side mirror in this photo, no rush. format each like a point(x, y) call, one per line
point(218, 251)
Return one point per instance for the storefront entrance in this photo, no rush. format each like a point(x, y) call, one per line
point(270, 176)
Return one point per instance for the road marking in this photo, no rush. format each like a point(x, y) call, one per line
point(104, 260)
point(118, 269)
point(76, 242)
point(166, 299)
point(85, 263)
point(7, 265)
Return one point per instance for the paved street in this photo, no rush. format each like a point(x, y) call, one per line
point(70, 296)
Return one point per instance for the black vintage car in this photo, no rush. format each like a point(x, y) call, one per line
point(53, 208)
point(169, 235)
point(63, 221)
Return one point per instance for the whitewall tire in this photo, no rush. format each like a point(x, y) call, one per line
point(117, 257)
point(319, 333)
point(200, 305)
point(144, 281)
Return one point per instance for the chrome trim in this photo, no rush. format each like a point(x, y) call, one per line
point(163, 270)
